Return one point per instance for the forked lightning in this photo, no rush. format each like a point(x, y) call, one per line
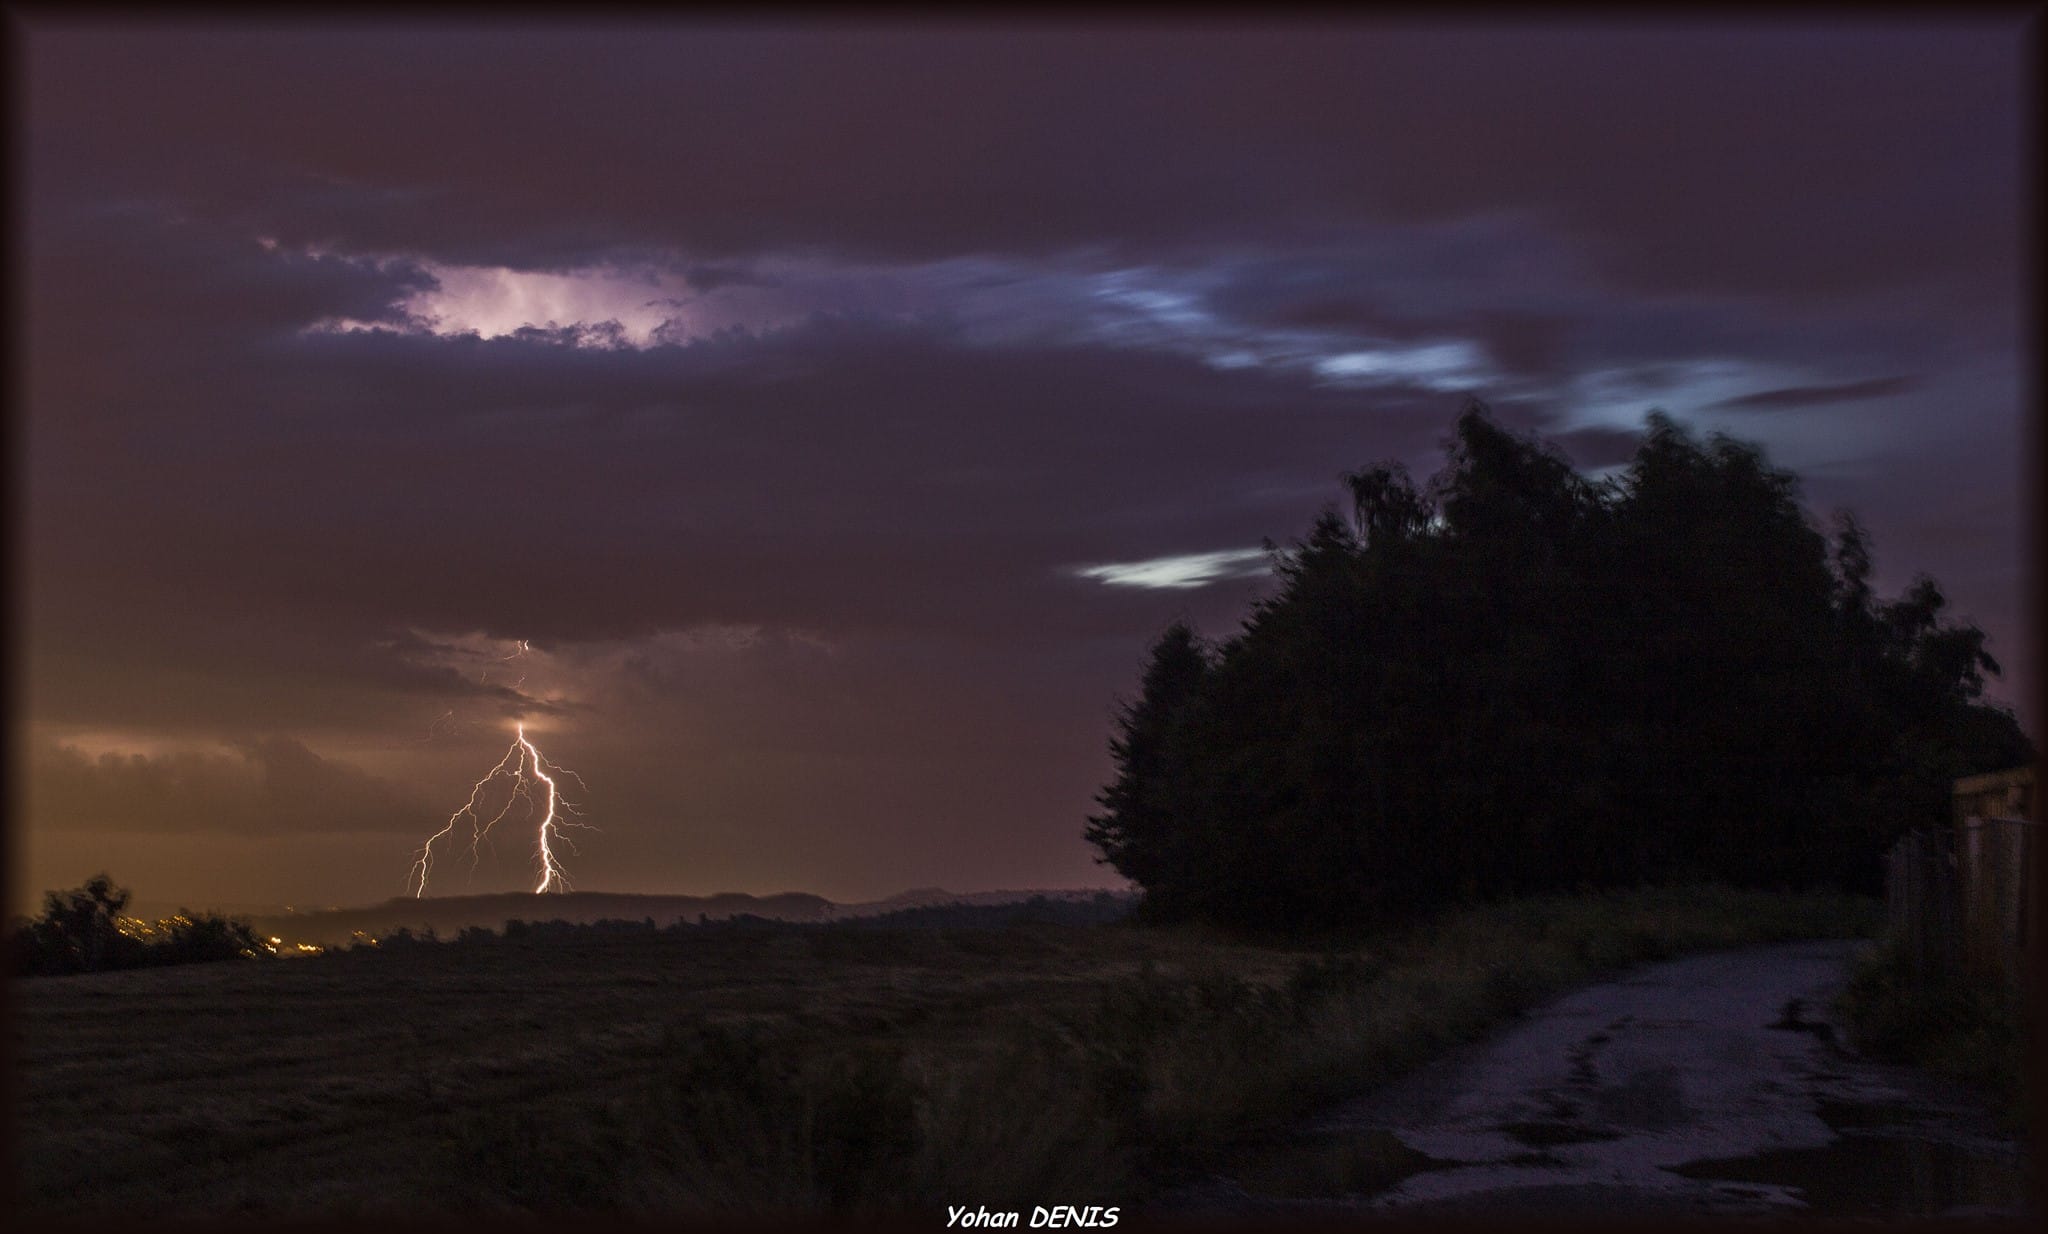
point(560, 813)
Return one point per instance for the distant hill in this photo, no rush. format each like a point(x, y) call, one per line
point(152, 910)
point(449, 915)
point(937, 897)
point(973, 913)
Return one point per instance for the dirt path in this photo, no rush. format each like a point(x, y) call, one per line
point(1710, 1085)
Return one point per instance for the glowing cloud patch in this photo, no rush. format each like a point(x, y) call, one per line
point(1439, 366)
point(493, 301)
point(1185, 571)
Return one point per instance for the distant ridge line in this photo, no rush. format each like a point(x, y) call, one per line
point(448, 915)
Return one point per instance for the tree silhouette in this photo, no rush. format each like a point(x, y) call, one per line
point(204, 939)
point(1137, 831)
point(1514, 679)
point(79, 932)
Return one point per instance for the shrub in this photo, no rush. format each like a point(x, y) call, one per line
point(1972, 1031)
point(82, 931)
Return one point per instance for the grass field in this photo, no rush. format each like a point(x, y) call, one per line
point(773, 1070)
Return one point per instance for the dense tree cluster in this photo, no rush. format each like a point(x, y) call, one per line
point(83, 931)
point(1515, 678)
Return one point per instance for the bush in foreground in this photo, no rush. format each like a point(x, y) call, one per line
point(82, 931)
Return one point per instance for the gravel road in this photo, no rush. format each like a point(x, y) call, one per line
point(1713, 1085)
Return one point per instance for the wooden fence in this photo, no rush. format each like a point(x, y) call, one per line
point(1922, 903)
point(1967, 900)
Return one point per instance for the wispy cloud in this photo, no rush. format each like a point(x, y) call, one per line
point(1792, 397)
point(1184, 571)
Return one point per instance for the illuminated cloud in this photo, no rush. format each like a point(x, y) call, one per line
point(495, 301)
point(267, 785)
point(987, 301)
point(1437, 366)
point(1184, 571)
point(594, 306)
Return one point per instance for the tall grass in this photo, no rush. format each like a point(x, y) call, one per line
point(1101, 1099)
point(1216, 1059)
point(1972, 1031)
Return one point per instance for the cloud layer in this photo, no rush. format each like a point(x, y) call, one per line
point(803, 395)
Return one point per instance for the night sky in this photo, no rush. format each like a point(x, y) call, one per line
point(838, 413)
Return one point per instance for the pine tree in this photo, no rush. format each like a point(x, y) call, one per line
point(1137, 830)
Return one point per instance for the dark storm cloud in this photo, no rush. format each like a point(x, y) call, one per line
point(269, 785)
point(711, 277)
point(1683, 153)
point(1795, 397)
point(1523, 292)
point(214, 509)
point(272, 508)
point(149, 277)
point(199, 659)
point(841, 453)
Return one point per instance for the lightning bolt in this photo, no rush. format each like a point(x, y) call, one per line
point(517, 652)
point(551, 870)
point(441, 723)
point(560, 813)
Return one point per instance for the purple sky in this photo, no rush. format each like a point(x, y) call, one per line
point(838, 412)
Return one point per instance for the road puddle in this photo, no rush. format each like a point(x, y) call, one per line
point(1887, 1161)
point(1328, 1167)
point(1871, 1175)
point(1546, 1135)
point(1677, 1093)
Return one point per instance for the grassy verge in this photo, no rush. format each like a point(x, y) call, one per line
point(1101, 1094)
point(1969, 1031)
